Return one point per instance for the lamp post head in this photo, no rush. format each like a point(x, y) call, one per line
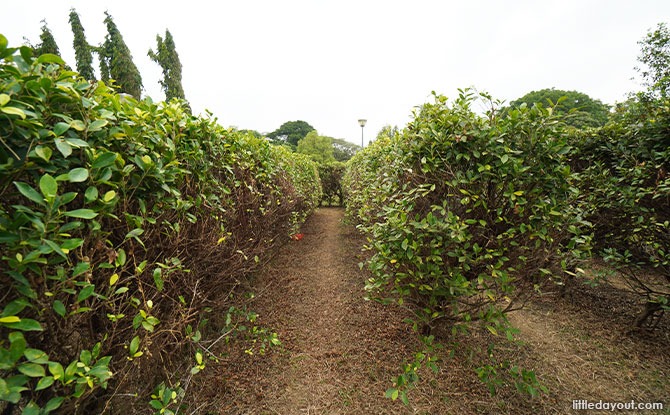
point(362, 122)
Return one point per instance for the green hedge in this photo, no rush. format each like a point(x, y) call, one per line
point(623, 175)
point(122, 223)
point(466, 214)
point(331, 182)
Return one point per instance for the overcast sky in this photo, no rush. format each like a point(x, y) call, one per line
point(257, 64)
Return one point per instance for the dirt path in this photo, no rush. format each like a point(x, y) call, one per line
point(340, 353)
point(312, 295)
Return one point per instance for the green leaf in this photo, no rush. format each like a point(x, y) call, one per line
point(43, 152)
point(29, 192)
point(81, 213)
point(121, 257)
point(134, 345)
point(60, 128)
point(50, 58)
point(392, 394)
point(86, 292)
point(31, 409)
point(54, 403)
point(104, 160)
point(36, 356)
point(78, 125)
point(97, 125)
point(14, 111)
point(64, 148)
point(76, 142)
point(91, 194)
point(44, 383)
point(56, 369)
point(48, 186)
point(78, 175)
point(157, 279)
point(26, 324)
point(109, 196)
point(59, 308)
point(4, 99)
point(32, 370)
point(3, 42)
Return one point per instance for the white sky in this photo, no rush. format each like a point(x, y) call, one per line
point(257, 64)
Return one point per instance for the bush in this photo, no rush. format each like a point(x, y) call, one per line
point(331, 182)
point(623, 171)
point(121, 224)
point(466, 215)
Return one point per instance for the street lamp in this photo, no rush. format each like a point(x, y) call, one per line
point(362, 124)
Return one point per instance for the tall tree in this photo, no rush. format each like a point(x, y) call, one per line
point(116, 62)
point(655, 57)
point(291, 132)
point(82, 50)
point(584, 111)
point(167, 57)
point(48, 43)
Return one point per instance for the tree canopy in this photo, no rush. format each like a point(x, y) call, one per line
point(82, 50)
point(291, 132)
point(319, 148)
point(116, 61)
point(167, 57)
point(584, 111)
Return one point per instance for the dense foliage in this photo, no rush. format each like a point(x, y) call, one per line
point(116, 61)
point(579, 109)
point(122, 223)
point(331, 182)
point(623, 169)
point(83, 52)
point(47, 42)
point(319, 148)
point(167, 57)
point(467, 215)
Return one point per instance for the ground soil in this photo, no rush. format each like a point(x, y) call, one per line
point(339, 352)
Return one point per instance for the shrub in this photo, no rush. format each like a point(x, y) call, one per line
point(122, 223)
point(466, 215)
point(331, 182)
point(623, 174)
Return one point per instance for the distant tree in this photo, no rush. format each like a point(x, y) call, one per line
point(344, 150)
point(319, 148)
point(388, 131)
point(116, 62)
point(82, 50)
point(252, 133)
point(585, 111)
point(167, 57)
point(291, 132)
point(655, 57)
point(48, 43)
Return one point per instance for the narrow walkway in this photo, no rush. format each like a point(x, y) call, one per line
point(312, 295)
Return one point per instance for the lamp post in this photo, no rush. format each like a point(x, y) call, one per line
point(362, 122)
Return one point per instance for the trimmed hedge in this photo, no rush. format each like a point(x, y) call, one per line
point(124, 227)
